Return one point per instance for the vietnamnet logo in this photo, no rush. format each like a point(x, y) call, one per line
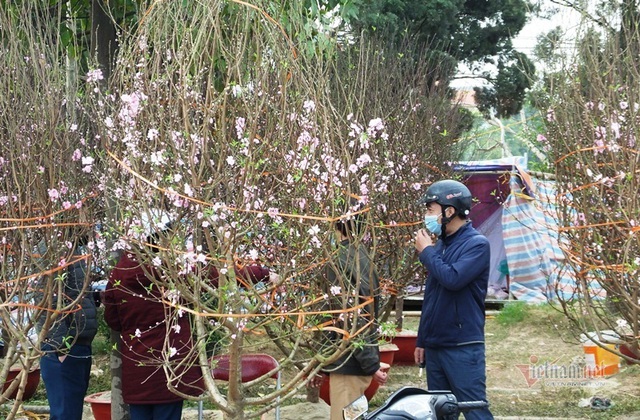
point(555, 374)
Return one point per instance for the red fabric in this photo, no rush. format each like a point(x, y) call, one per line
point(252, 273)
point(131, 305)
point(489, 191)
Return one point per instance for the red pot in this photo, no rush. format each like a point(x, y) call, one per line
point(100, 405)
point(33, 379)
point(369, 392)
point(388, 353)
point(628, 351)
point(406, 342)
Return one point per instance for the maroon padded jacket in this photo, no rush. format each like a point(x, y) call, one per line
point(133, 308)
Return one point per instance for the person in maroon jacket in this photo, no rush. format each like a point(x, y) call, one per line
point(135, 309)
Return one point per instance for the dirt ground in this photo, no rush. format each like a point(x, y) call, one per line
point(542, 339)
point(517, 356)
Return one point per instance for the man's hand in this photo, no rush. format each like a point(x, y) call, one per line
point(316, 381)
point(380, 377)
point(418, 356)
point(423, 240)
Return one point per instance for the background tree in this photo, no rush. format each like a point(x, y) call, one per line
point(593, 129)
point(474, 34)
point(48, 200)
point(253, 147)
point(250, 133)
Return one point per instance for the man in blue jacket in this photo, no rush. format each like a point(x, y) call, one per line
point(451, 332)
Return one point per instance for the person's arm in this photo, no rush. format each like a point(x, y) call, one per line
point(255, 273)
point(64, 329)
point(111, 304)
point(368, 357)
point(474, 259)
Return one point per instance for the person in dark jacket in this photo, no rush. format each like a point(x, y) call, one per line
point(352, 373)
point(134, 307)
point(451, 332)
point(65, 365)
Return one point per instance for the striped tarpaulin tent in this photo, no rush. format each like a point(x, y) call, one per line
point(537, 266)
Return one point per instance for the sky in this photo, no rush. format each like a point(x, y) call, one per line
point(566, 18)
point(526, 40)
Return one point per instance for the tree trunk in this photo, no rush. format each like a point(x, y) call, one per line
point(399, 311)
point(119, 410)
point(313, 394)
point(103, 37)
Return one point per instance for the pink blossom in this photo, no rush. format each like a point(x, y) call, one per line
point(77, 155)
point(94, 75)
point(599, 146)
point(78, 204)
point(53, 194)
point(66, 205)
point(309, 106)
point(152, 134)
point(615, 128)
point(631, 142)
point(240, 124)
point(551, 115)
point(363, 160)
point(375, 125)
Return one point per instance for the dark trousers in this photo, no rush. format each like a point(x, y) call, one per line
point(169, 411)
point(462, 371)
point(66, 383)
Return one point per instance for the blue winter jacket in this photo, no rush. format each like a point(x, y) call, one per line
point(455, 291)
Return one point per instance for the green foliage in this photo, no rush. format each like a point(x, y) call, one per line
point(103, 329)
point(101, 379)
point(507, 93)
point(513, 313)
point(459, 30)
point(524, 134)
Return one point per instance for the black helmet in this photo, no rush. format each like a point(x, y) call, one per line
point(449, 193)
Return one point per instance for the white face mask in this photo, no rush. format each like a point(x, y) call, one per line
point(432, 224)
